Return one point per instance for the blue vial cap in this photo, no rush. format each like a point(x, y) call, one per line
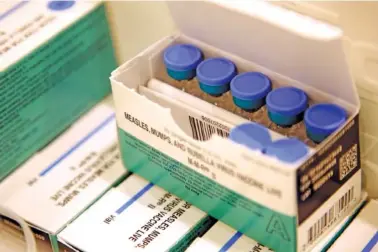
point(216, 71)
point(324, 118)
point(289, 101)
point(182, 57)
point(56, 5)
point(288, 150)
point(250, 86)
point(252, 135)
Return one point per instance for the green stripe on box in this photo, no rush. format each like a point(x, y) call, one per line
point(50, 88)
point(272, 229)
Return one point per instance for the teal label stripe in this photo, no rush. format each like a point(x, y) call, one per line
point(270, 228)
point(49, 89)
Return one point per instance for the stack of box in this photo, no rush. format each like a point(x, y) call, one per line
point(54, 186)
point(56, 58)
point(73, 192)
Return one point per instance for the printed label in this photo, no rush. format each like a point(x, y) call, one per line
point(224, 204)
point(325, 172)
point(154, 227)
point(202, 129)
point(11, 39)
point(348, 162)
point(137, 216)
point(221, 178)
point(207, 161)
point(43, 93)
point(73, 181)
point(329, 214)
point(330, 217)
point(87, 171)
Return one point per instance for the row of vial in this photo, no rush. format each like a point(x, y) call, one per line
point(286, 106)
point(251, 90)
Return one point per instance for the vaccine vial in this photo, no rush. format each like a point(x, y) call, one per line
point(286, 105)
point(289, 150)
point(322, 119)
point(215, 74)
point(252, 135)
point(250, 89)
point(181, 61)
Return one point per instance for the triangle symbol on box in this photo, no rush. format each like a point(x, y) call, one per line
point(276, 226)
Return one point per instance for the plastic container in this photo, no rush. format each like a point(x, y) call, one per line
point(182, 60)
point(215, 74)
point(289, 150)
point(286, 105)
point(250, 89)
point(321, 120)
point(252, 135)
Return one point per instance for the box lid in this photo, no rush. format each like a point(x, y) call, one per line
point(300, 47)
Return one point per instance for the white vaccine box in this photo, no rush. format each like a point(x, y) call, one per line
point(136, 216)
point(58, 183)
point(222, 237)
point(271, 202)
point(362, 233)
point(55, 61)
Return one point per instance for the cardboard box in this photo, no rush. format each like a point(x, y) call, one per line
point(55, 185)
point(55, 60)
point(224, 238)
point(136, 216)
point(284, 207)
point(362, 233)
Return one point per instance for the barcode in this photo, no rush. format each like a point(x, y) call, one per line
point(329, 217)
point(348, 162)
point(202, 131)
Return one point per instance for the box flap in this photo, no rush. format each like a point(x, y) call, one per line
point(286, 42)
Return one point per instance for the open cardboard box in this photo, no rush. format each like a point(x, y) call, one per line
point(285, 207)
